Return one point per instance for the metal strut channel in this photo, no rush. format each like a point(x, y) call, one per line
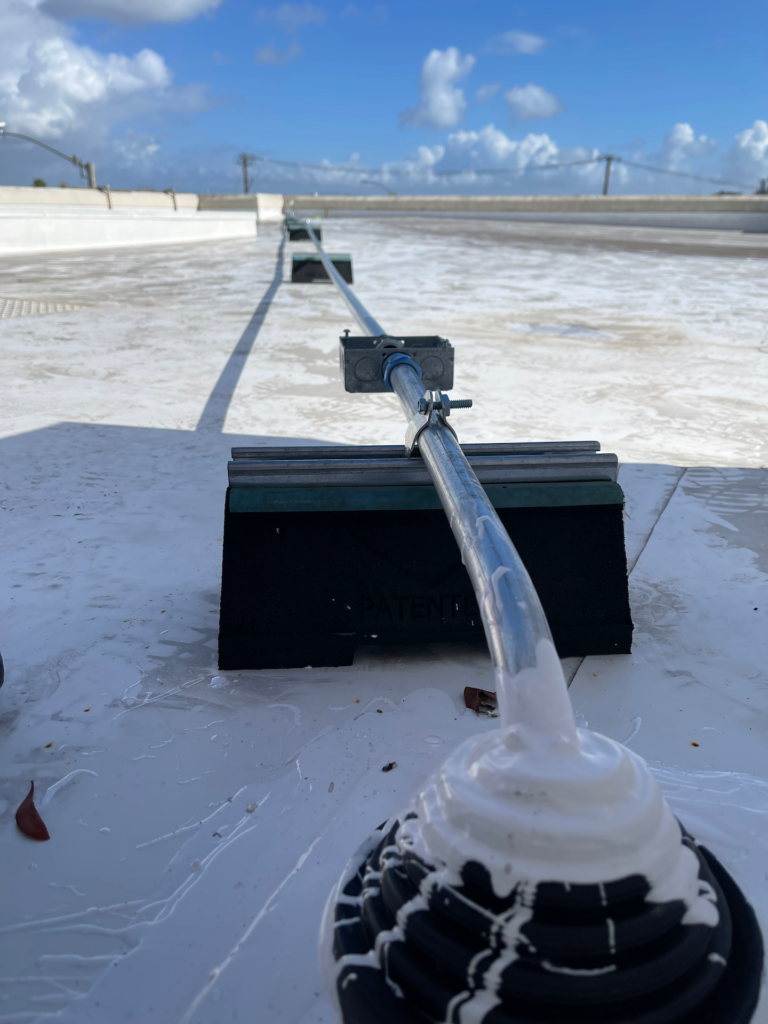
point(513, 618)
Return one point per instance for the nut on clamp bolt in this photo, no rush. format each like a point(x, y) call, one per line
point(433, 401)
point(443, 403)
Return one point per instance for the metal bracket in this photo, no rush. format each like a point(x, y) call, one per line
point(432, 402)
point(419, 422)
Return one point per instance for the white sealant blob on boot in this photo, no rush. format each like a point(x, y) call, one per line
point(540, 800)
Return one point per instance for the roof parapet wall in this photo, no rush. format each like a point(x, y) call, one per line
point(534, 204)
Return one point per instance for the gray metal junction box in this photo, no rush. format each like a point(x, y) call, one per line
point(362, 361)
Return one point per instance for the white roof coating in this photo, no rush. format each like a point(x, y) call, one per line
point(199, 818)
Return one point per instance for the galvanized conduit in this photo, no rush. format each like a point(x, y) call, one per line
point(512, 614)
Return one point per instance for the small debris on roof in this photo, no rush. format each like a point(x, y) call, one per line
point(482, 701)
point(28, 819)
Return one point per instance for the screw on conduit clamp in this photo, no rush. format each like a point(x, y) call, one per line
point(440, 404)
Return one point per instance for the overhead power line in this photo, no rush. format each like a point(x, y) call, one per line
point(321, 167)
point(502, 170)
point(395, 170)
point(594, 160)
point(683, 174)
point(519, 170)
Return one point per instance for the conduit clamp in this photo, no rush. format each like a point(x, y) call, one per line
point(433, 402)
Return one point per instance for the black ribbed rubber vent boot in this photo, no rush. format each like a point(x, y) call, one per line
point(410, 953)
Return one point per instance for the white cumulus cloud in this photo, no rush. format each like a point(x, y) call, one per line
point(531, 102)
point(487, 92)
point(441, 102)
point(416, 168)
point(489, 160)
point(747, 158)
point(129, 10)
point(481, 161)
point(73, 96)
point(491, 148)
point(515, 42)
point(292, 17)
point(136, 149)
point(270, 54)
point(681, 143)
point(50, 85)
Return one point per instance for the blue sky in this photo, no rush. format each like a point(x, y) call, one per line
point(162, 92)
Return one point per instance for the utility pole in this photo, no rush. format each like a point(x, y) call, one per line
point(608, 161)
point(246, 159)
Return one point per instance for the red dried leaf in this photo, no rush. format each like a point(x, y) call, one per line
point(481, 701)
point(28, 820)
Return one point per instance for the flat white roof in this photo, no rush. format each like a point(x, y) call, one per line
point(201, 817)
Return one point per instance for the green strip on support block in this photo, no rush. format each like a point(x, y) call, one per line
point(311, 257)
point(358, 499)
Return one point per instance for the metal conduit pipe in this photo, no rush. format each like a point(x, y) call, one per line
point(368, 325)
point(513, 618)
